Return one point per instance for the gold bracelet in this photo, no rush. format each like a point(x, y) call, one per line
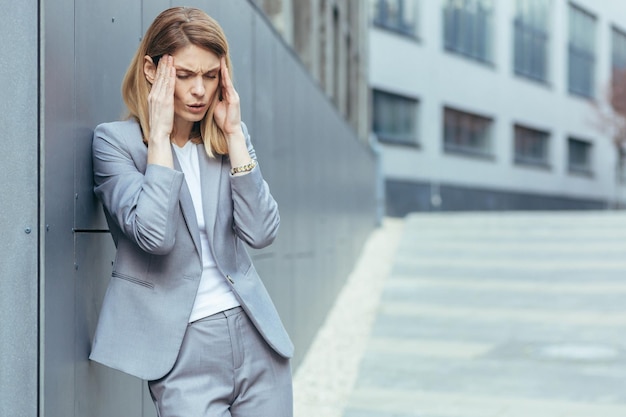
point(244, 168)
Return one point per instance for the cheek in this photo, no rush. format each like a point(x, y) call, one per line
point(211, 87)
point(179, 91)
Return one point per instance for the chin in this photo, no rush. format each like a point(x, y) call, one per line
point(195, 117)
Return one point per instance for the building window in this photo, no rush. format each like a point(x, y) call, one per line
point(531, 39)
point(582, 34)
point(468, 28)
point(395, 118)
point(618, 50)
point(531, 146)
point(579, 156)
point(466, 133)
point(396, 15)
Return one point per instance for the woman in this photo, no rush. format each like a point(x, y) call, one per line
point(182, 192)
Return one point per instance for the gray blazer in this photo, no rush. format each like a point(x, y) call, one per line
point(158, 262)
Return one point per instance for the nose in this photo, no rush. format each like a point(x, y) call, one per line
point(197, 89)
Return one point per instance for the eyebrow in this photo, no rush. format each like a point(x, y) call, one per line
point(194, 72)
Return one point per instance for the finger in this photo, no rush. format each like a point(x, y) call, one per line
point(161, 68)
point(171, 79)
point(156, 83)
point(225, 74)
point(227, 84)
point(163, 81)
point(167, 68)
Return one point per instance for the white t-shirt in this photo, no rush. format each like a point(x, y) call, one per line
point(214, 293)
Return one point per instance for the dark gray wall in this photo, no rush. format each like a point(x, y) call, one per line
point(322, 177)
point(403, 197)
point(19, 209)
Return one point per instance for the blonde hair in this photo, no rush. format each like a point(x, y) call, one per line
point(171, 30)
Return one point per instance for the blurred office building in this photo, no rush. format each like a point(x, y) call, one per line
point(330, 38)
point(496, 105)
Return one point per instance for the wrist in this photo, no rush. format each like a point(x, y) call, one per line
point(160, 153)
point(235, 137)
point(159, 138)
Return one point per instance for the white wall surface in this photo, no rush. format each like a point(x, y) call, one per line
point(422, 68)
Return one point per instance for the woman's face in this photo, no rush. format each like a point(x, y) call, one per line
point(197, 80)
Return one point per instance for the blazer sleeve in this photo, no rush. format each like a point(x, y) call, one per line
point(255, 212)
point(145, 206)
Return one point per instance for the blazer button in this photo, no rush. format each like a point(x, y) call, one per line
point(230, 279)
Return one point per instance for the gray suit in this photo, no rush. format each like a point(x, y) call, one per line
point(158, 265)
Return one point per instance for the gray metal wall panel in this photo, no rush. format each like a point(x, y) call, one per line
point(19, 205)
point(60, 129)
point(283, 285)
point(148, 405)
point(238, 20)
point(263, 119)
point(151, 9)
point(310, 293)
point(107, 34)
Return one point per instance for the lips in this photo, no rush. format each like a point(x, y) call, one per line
point(197, 107)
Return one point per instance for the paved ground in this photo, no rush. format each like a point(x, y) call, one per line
point(477, 315)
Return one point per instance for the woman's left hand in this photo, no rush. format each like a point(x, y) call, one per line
point(227, 113)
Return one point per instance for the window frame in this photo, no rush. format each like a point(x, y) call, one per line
point(586, 169)
point(458, 22)
point(412, 139)
point(540, 136)
point(527, 33)
point(465, 128)
point(401, 25)
point(579, 58)
point(618, 62)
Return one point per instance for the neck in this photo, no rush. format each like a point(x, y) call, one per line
point(181, 133)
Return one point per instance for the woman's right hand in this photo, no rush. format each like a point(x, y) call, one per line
point(161, 101)
point(161, 113)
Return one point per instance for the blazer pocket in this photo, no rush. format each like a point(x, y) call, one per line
point(133, 280)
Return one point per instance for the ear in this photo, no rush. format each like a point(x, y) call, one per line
point(149, 69)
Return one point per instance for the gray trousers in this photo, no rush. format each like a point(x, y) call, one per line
point(225, 368)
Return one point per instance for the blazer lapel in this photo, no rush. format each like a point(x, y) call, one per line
point(188, 210)
point(210, 174)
